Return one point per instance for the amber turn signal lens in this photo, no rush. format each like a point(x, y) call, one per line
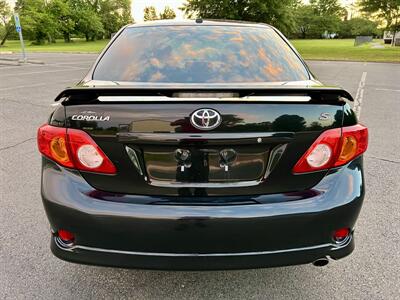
point(58, 149)
point(349, 148)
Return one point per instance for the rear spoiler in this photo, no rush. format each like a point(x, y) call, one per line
point(86, 95)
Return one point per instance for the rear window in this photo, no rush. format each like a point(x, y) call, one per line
point(200, 54)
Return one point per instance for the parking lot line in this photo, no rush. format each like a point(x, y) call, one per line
point(31, 85)
point(359, 95)
point(48, 71)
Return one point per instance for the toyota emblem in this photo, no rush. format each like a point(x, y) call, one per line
point(205, 119)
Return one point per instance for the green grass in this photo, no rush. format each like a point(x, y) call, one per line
point(309, 49)
point(77, 45)
point(345, 50)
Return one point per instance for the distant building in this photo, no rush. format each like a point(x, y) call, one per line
point(388, 38)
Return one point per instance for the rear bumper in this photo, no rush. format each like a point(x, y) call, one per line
point(198, 261)
point(116, 230)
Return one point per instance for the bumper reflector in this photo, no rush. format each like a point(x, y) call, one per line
point(340, 234)
point(66, 236)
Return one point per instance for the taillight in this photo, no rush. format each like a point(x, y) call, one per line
point(73, 148)
point(354, 143)
point(52, 142)
point(333, 148)
point(86, 154)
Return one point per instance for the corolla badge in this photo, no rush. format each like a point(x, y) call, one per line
point(205, 119)
point(90, 116)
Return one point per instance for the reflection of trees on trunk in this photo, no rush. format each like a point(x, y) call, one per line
point(183, 125)
point(231, 120)
point(250, 127)
point(292, 123)
point(315, 126)
point(289, 123)
point(338, 119)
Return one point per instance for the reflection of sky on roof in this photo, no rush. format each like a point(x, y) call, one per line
point(200, 54)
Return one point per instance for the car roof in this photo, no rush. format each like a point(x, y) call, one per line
point(200, 22)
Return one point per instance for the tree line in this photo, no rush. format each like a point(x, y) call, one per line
point(297, 19)
point(47, 20)
point(150, 14)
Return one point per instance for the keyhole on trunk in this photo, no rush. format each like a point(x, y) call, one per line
point(183, 157)
point(227, 158)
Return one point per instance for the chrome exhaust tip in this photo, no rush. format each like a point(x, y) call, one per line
point(321, 262)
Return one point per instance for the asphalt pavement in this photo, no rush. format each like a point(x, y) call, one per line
point(29, 270)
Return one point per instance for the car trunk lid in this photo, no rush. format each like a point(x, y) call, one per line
point(251, 152)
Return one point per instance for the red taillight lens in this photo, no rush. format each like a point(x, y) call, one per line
point(333, 148)
point(66, 236)
point(314, 159)
point(340, 234)
point(73, 148)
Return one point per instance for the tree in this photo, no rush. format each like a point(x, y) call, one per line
point(150, 13)
point(5, 20)
point(358, 26)
point(278, 13)
point(50, 19)
point(87, 21)
point(304, 15)
point(168, 13)
point(319, 17)
point(114, 14)
point(62, 12)
point(387, 10)
point(326, 7)
point(36, 20)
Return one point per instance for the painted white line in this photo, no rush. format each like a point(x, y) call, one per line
point(50, 71)
point(32, 85)
point(359, 96)
point(22, 67)
point(389, 90)
point(83, 61)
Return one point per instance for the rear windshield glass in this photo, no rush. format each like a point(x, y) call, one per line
point(200, 54)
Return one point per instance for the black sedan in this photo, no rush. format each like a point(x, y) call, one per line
point(202, 145)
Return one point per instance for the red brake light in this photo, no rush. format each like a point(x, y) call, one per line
point(333, 148)
point(73, 148)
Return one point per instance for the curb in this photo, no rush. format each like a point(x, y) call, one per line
point(9, 63)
